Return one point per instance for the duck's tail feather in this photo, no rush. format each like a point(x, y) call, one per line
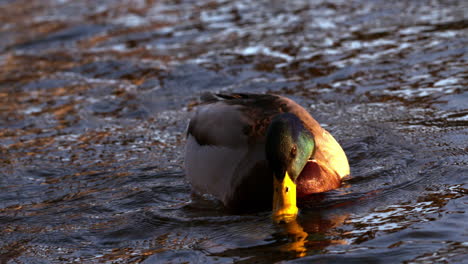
point(209, 97)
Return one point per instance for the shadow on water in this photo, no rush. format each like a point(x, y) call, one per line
point(95, 99)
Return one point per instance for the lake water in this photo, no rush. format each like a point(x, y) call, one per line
point(94, 102)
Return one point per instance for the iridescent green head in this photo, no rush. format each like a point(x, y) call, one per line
point(289, 145)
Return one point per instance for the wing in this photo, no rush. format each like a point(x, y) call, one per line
point(225, 152)
point(234, 119)
point(219, 124)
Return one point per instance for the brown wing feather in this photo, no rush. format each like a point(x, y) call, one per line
point(234, 119)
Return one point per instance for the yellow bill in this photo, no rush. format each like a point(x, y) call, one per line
point(284, 199)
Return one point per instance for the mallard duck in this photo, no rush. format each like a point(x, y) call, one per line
point(258, 151)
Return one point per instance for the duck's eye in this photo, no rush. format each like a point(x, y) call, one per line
point(287, 189)
point(293, 151)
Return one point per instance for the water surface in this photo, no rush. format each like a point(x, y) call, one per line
point(95, 97)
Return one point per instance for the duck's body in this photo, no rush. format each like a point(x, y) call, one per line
point(225, 152)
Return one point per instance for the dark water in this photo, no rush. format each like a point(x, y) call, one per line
point(95, 97)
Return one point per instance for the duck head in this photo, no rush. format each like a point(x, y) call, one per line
point(289, 145)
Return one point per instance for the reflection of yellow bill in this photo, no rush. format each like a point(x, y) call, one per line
point(284, 199)
point(299, 238)
point(300, 242)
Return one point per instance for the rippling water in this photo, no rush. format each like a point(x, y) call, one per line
point(95, 97)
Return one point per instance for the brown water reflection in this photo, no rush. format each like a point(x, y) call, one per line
point(95, 98)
